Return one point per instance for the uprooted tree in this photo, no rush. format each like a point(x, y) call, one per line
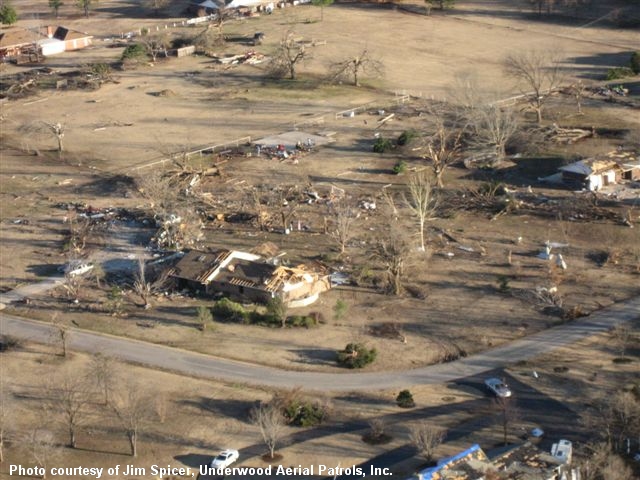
point(354, 67)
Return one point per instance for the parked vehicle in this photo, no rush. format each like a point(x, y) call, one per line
point(498, 387)
point(225, 458)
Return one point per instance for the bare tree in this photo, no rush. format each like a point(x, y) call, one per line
point(80, 229)
point(58, 131)
point(141, 285)
point(133, 410)
point(43, 447)
point(289, 55)
point(506, 415)
point(422, 201)
point(493, 126)
point(426, 438)
point(539, 72)
point(155, 44)
point(270, 421)
point(603, 464)
point(356, 66)
point(578, 91)
point(342, 230)
point(62, 332)
point(68, 399)
point(443, 145)
point(393, 249)
point(178, 222)
point(616, 418)
point(103, 373)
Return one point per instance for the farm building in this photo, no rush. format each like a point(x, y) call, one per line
point(50, 40)
point(73, 40)
point(595, 173)
point(247, 276)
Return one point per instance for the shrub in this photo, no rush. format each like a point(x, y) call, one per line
point(204, 317)
point(277, 309)
point(230, 311)
point(376, 434)
point(301, 411)
point(339, 309)
point(356, 355)
point(8, 15)
point(400, 167)
point(406, 137)
point(134, 52)
point(619, 72)
point(503, 284)
point(7, 342)
point(405, 399)
point(301, 321)
point(634, 63)
point(382, 145)
point(305, 413)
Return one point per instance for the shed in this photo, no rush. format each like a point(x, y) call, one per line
point(592, 174)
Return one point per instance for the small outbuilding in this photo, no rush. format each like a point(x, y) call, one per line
point(601, 171)
point(591, 174)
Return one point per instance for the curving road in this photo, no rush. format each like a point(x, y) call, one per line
point(205, 366)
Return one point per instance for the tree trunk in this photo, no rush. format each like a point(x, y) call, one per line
point(422, 234)
point(59, 138)
point(292, 71)
point(539, 114)
point(86, 8)
point(437, 171)
point(72, 436)
point(131, 435)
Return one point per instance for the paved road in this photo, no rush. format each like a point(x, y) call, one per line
point(199, 365)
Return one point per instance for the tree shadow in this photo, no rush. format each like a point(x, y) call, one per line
point(315, 356)
point(238, 409)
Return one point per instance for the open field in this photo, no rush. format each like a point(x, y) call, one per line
point(457, 301)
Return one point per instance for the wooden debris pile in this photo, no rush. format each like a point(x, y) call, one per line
point(559, 134)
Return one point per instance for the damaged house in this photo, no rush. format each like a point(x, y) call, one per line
point(594, 173)
point(247, 276)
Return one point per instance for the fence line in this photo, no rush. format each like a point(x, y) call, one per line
point(371, 105)
point(203, 150)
